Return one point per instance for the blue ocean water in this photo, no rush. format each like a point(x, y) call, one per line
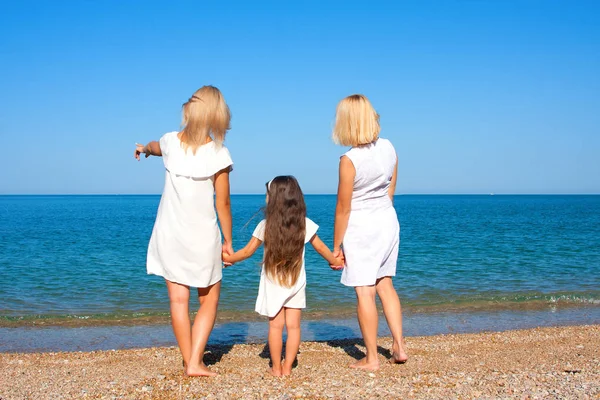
point(83, 257)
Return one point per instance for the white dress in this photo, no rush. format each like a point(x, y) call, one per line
point(373, 236)
point(271, 296)
point(185, 246)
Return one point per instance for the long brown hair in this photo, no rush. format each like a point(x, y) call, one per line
point(205, 114)
point(285, 230)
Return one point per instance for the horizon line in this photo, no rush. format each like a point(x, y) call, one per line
point(309, 194)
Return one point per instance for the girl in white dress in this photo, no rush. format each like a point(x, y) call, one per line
point(185, 247)
point(367, 232)
point(281, 294)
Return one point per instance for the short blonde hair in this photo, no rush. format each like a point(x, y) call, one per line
point(205, 115)
point(356, 122)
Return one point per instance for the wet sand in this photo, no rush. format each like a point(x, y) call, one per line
point(560, 362)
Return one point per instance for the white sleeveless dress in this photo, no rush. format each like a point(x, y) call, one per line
point(373, 236)
point(272, 296)
point(185, 246)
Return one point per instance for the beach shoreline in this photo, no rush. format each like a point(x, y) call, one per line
point(551, 362)
point(91, 336)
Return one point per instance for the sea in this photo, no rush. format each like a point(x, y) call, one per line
point(74, 276)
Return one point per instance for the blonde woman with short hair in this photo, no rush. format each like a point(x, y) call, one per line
point(367, 231)
point(185, 247)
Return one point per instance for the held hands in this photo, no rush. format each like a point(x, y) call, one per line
point(340, 260)
point(227, 254)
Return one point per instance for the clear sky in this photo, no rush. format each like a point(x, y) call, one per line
point(477, 96)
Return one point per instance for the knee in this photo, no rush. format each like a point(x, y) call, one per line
point(208, 301)
point(276, 323)
point(292, 325)
point(179, 299)
point(385, 287)
point(365, 294)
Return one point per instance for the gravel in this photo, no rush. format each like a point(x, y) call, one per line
point(542, 363)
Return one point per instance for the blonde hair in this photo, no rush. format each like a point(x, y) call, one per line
point(205, 115)
point(356, 122)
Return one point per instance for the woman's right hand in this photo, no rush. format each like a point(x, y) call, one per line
point(338, 254)
point(227, 259)
point(139, 149)
point(227, 253)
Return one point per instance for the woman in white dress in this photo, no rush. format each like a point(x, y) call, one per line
point(367, 231)
point(185, 247)
point(282, 291)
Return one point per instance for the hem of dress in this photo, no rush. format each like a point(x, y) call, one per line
point(268, 316)
point(184, 283)
point(367, 284)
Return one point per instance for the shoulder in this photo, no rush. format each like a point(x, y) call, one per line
point(221, 151)
point(169, 137)
point(387, 145)
point(311, 229)
point(217, 156)
point(351, 156)
point(259, 231)
point(310, 222)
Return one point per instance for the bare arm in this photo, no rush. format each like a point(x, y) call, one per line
point(151, 149)
point(324, 251)
point(344, 200)
point(244, 253)
point(392, 188)
point(223, 206)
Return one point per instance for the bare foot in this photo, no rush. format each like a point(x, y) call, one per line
point(275, 371)
point(200, 370)
point(286, 370)
point(399, 357)
point(363, 364)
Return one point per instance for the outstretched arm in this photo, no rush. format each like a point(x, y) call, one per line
point(151, 149)
point(323, 250)
point(244, 253)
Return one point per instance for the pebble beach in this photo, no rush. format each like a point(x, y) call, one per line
point(557, 362)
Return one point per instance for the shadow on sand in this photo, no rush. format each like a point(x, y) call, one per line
point(237, 333)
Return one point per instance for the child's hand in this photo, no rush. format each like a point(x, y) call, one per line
point(227, 259)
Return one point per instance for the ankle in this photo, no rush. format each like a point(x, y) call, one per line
point(397, 345)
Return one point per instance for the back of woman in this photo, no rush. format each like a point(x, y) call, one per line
point(374, 164)
point(185, 248)
point(366, 229)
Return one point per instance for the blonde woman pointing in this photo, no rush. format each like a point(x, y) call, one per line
point(185, 247)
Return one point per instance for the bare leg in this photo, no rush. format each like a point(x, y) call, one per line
point(367, 319)
point(276, 341)
point(203, 325)
point(393, 314)
point(292, 324)
point(179, 299)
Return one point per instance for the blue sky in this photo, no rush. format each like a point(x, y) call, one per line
point(477, 96)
